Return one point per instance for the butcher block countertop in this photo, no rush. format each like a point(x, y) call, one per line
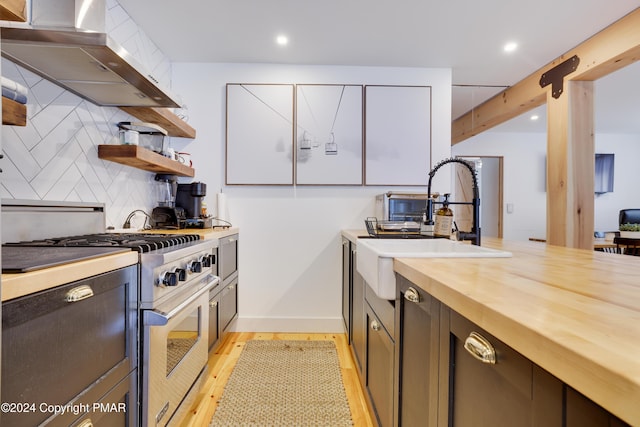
point(204, 233)
point(575, 313)
point(20, 284)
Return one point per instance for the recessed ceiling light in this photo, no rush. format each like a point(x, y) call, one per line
point(282, 40)
point(534, 117)
point(510, 47)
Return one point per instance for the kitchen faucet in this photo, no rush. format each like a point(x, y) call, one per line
point(474, 235)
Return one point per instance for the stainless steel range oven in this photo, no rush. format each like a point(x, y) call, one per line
point(176, 273)
point(175, 321)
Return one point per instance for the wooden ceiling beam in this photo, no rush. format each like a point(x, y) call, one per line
point(611, 49)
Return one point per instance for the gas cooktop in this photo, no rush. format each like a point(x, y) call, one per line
point(140, 242)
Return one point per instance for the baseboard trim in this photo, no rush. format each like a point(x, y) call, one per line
point(270, 324)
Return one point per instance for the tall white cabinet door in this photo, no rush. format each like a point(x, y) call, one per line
point(259, 145)
point(397, 135)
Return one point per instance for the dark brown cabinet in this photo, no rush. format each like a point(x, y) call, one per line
point(358, 318)
point(583, 412)
point(491, 384)
point(450, 372)
point(379, 367)
point(416, 355)
point(347, 285)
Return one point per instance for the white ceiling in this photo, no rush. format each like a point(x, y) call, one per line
point(464, 35)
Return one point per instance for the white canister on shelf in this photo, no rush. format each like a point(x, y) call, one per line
point(129, 137)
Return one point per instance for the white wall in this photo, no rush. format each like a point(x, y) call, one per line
point(524, 178)
point(290, 247)
point(524, 181)
point(626, 193)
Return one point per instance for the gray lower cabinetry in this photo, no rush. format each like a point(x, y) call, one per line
point(369, 321)
point(347, 281)
point(441, 383)
point(416, 357)
point(358, 320)
point(379, 375)
point(512, 391)
point(380, 351)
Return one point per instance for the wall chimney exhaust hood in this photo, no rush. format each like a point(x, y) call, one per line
point(66, 43)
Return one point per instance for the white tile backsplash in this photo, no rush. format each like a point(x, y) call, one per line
point(55, 157)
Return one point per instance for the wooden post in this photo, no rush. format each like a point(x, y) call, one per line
point(570, 166)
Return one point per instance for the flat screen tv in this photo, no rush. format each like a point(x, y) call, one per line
point(604, 173)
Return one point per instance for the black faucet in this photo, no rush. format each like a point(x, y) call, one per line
point(474, 235)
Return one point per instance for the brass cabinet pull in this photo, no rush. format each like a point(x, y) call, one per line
point(86, 423)
point(79, 293)
point(480, 348)
point(213, 304)
point(412, 295)
point(375, 325)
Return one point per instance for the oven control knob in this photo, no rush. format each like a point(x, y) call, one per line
point(195, 266)
point(169, 278)
point(206, 260)
point(182, 274)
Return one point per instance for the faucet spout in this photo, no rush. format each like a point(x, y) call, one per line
point(474, 235)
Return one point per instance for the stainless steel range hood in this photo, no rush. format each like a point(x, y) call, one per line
point(66, 43)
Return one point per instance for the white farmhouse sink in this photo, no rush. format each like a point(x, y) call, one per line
point(374, 258)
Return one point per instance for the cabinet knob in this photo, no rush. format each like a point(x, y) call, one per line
point(375, 325)
point(480, 348)
point(412, 295)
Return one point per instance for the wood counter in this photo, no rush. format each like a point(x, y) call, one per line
point(575, 313)
point(204, 233)
point(17, 285)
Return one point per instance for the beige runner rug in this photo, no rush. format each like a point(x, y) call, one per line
point(284, 383)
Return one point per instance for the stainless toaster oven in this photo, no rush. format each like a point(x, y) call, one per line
point(399, 206)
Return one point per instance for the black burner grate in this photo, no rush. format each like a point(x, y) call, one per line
point(135, 241)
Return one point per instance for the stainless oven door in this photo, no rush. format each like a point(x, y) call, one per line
point(175, 352)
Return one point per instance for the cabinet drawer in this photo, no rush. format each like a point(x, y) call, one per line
point(379, 374)
point(384, 309)
point(513, 391)
point(511, 367)
point(227, 257)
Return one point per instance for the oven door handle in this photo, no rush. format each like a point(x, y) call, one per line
point(153, 318)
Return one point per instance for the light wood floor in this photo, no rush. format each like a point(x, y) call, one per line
point(222, 361)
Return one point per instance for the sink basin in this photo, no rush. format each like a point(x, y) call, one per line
point(374, 258)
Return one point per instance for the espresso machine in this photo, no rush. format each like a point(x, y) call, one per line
point(190, 197)
point(167, 215)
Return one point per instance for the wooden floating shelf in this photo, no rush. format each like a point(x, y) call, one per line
point(13, 10)
point(13, 113)
point(142, 158)
point(164, 118)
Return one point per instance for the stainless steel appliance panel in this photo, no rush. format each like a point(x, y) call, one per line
point(228, 257)
point(175, 352)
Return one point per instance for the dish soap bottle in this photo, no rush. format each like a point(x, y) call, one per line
point(444, 219)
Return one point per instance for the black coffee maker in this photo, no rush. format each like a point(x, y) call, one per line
point(190, 197)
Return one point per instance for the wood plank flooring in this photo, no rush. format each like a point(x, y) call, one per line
point(222, 361)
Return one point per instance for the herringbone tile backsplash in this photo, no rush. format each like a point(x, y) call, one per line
point(55, 157)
